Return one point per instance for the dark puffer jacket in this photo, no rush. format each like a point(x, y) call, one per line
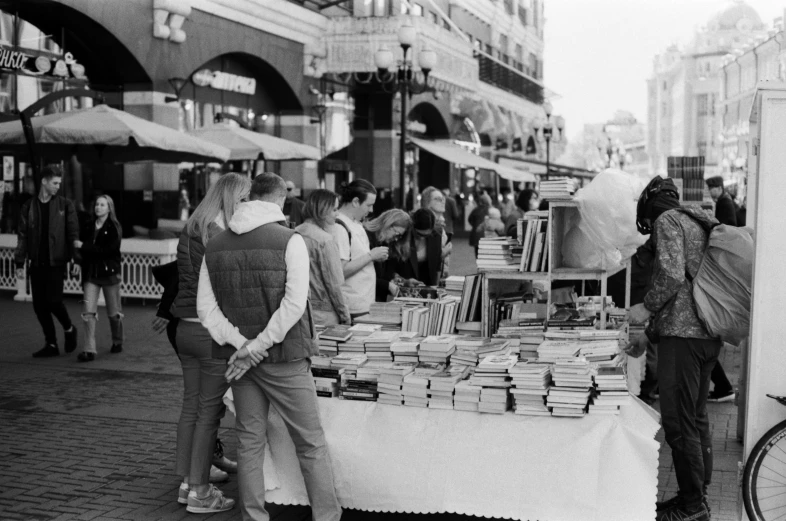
point(190, 252)
point(63, 231)
point(100, 251)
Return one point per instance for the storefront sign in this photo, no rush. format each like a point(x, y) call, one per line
point(39, 65)
point(225, 81)
point(12, 59)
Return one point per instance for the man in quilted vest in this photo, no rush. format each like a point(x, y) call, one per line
point(254, 278)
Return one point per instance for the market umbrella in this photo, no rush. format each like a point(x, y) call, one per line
point(246, 144)
point(108, 135)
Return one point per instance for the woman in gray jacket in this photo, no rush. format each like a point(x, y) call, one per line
point(325, 274)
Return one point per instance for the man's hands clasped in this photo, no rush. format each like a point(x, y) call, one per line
point(244, 359)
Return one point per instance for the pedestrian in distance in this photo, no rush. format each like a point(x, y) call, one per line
point(452, 213)
point(434, 200)
point(326, 274)
point(272, 368)
point(686, 351)
point(204, 384)
point(476, 217)
point(527, 201)
point(48, 227)
point(725, 213)
point(98, 251)
point(293, 207)
point(354, 249)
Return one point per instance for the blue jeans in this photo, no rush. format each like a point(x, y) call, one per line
point(114, 312)
point(204, 386)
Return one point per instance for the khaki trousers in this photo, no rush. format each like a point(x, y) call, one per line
point(289, 388)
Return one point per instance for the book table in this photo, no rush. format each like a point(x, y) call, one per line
point(405, 459)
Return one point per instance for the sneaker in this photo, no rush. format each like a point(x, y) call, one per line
point(85, 356)
point(221, 461)
point(47, 351)
point(116, 348)
point(214, 502)
point(217, 475)
point(721, 397)
point(680, 513)
point(182, 494)
point(677, 501)
point(70, 339)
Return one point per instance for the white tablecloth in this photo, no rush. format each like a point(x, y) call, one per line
point(403, 459)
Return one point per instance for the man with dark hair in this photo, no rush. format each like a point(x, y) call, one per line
point(48, 227)
point(686, 351)
point(293, 207)
point(254, 280)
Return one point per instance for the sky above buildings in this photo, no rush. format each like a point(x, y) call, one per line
point(598, 53)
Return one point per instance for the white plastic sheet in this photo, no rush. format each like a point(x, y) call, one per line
point(605, 233)
point(403, 459)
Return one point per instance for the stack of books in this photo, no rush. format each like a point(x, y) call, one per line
point(442, 384)
point(386, 314)
point(494, 254)
point(326, 377)
point(558, 189)
point(454, 285)
point(599, 350)
point(611, 391)
point(572, 387)
point(390, 380)
point(415, 385)
point(378, 343)
point(349, 361)
point(492, 375)
point(528, 345)
point(551, 351)
point(436, 349)
point(466, 397)
point(519, 326)
point(330, 338)
point(405, 347)
point(470, 350)
point(354, 388)
point(531, 382)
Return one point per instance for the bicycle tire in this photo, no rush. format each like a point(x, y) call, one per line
point(753, 465)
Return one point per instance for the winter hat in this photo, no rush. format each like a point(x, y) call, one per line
point(659, 196)
point(714, 182)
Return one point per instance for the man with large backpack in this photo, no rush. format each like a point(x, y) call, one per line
point(687, 352)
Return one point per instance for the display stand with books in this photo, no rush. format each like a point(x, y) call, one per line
point(494, 282)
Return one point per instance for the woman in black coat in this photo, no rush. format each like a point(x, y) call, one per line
point(99, 256)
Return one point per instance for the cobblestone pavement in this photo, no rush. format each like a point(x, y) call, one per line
point(97, 441)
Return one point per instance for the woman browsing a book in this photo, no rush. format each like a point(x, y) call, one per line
point(421, 263)
point(391, 230)
point(325, 273)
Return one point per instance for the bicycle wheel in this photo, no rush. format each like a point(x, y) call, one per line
point(764, 479)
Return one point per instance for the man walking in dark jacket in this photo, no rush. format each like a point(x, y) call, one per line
point(268, 325)
point(48, 227)
point(686, 351)
point(725, 213)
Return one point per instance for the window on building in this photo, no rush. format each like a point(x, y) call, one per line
point(519, 53)
point(523, 15)
point(434, 17)
point(509, 6)
point(533, 65)
point(702, 105)
point(503, 44)
point(445, 25)
point(417, 9)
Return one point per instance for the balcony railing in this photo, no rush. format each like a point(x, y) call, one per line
point(497, 74)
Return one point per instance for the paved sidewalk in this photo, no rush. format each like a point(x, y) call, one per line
point(97, 440)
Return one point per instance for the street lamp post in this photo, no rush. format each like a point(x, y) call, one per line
point(548, 132)
point(405, 82)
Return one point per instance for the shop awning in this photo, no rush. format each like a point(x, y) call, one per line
point(455, 154)
point(247, 144)
point(516, 175)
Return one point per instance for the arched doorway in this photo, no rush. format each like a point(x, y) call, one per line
point(426, 121)
point(57, 47)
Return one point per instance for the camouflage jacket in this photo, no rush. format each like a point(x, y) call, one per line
point(679, 242)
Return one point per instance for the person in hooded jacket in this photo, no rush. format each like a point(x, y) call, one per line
point(687, 353)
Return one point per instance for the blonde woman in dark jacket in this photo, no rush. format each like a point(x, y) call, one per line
point(204, 384)
point(326, 274)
